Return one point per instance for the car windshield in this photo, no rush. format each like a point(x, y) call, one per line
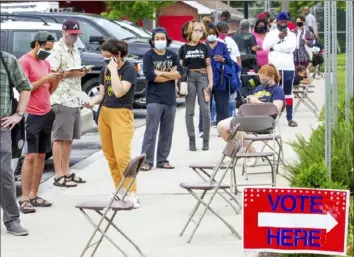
point(79, 44)
point(115, 29)
point(136, 30)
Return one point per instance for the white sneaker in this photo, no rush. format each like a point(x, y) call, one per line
point(250, 162)
point(201, 134)
point(134, 199)
point(119, 196)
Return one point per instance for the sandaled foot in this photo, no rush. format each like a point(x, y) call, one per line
point(26, 207)
point(165, 165)
point(146, 167)
point(63, 181)
point(76, 179)
point(292, 123)
point(40, 202)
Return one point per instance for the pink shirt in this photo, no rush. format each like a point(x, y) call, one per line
point(262, 56)
point(39, 103)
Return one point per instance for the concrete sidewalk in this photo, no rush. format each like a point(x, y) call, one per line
point(62, 230)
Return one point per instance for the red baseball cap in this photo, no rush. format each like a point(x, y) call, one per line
point(71, 26)
point(261, 16)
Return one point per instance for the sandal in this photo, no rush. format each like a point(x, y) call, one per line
point(40, 202)
point(146, 167)
point(292, 123)
point(26, 207)
point(76, 179)
point(63, 181)
point(165, 165)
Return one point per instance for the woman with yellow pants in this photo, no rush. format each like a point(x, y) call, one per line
point(116, 118)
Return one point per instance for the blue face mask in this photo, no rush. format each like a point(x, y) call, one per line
point(212, 38)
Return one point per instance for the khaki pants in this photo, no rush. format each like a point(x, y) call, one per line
point(116, 128)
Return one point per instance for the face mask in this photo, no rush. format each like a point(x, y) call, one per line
point(281, 28)
point(160, 44)
point(196, 36)
point(212, 38)
point(260, 29)
point(299, 24)
point(42, 54)
point(265, 82)
point(107, 60)
point(222, 36)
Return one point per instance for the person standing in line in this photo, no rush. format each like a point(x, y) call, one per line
point(161, 69)
point(260, 31)
point(39, 120)
point(310, 20)
point(281, 44)
point(195, 57)
point(225, 16)
point(65, 103)
point(12, 75)
point(116, 118)
point(303, 39)
point(223, 29)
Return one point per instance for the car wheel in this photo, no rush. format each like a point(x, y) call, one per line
point(91, 87)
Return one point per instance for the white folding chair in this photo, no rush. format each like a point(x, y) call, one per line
point(102, 208)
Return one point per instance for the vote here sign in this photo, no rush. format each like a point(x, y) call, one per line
point(295, 220)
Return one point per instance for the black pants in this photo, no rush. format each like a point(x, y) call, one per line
point(222, 104)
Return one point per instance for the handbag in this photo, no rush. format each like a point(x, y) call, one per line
point(18, 131)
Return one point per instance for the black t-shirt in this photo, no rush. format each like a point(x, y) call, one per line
point(245, 41)
point(194, 56)
point(126, 73)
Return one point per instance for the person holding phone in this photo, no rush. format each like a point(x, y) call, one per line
point(281, 44)
point(116, 118)
point(65, 103)
point(39, 120)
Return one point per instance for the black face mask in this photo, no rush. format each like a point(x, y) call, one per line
point(282, 28)
point(107, 60)
point(299, 24)
point(43, 54)
point(261, 29)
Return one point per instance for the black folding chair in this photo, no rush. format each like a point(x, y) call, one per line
point(102, 208)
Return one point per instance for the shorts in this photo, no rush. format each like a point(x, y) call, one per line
point(67, 123)
point(38, 130)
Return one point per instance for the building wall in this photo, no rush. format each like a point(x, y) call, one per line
point(178, 9)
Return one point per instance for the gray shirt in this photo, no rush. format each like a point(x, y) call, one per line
point(311, 22)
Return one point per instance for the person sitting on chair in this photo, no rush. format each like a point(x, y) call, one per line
point(269, 91)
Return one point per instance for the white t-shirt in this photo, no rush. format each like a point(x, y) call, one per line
point(232, 47)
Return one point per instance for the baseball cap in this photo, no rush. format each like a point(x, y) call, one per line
point(43, 36)
point(159, 30)
point(71, 26)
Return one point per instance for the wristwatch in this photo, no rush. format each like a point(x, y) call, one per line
point(20, 113)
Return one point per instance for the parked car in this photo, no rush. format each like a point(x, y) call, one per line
point(19, 28)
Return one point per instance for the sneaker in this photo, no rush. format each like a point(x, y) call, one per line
point(135, 200)
point(201, 134)
point(17, 230)
point(119, 196)
point(250, 162)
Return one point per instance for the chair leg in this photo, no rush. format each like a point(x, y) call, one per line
point(192, 214)
point(102, 232)
point(123, 234)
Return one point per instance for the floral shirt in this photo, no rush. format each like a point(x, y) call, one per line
point(63, 57)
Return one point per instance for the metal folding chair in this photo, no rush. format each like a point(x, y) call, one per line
point(265, 109)
point(102, 208)
point(230, 151)
point(257, 124)
point(302, 94)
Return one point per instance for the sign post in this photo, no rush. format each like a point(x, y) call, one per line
point(295, 220)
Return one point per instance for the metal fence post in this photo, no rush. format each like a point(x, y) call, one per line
point(349, 57)
point(333, 18)
point(327, 70)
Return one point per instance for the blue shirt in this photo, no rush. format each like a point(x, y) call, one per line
point(269, 94)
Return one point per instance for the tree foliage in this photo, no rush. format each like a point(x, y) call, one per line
point(133, 10)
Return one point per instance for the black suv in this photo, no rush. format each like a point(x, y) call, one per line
point(16, 40)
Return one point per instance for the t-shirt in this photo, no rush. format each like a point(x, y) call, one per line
point(245, 41)
point(126, 73)
point(297, 80)
point(157, 92)
point(39, 103)
point(269, 94)
point(194, 56)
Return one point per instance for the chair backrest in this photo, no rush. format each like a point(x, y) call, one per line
point(232, 147)
point(254, 124)
point(251, 109)
point(134, 166)
point(233, 131)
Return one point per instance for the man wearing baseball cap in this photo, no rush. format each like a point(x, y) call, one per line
point(281, 43)
point(39, 118)
point(65, 103)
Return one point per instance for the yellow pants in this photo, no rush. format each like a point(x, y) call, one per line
point(116, 128)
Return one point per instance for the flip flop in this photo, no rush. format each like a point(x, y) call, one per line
point(165, 165)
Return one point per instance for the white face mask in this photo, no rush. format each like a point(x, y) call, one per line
point(212, 38)
point(160, 44)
